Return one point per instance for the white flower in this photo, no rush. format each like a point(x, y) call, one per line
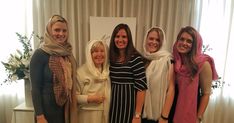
point(17, 66)
point(14, 77)
point(25, 62)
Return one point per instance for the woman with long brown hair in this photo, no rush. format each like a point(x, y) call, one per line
point(128, 80)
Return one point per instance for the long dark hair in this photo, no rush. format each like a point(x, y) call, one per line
point(190, 61)
point(130, 49)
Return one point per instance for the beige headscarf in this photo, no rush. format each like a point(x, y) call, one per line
point(157, 80)
point(58, 51)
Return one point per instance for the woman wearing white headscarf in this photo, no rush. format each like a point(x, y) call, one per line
point(160, 78)
point(94, 84)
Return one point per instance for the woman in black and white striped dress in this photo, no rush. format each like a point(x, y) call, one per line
point(128, 80)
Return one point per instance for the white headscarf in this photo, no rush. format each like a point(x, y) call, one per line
point(162, 52)
point(91, 66)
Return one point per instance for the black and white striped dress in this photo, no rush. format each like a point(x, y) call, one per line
point(126, 80)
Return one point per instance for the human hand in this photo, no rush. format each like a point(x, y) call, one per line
point(41, 119)
point(162, 120)
point(96, 99)
point(136, 120)
point(198, 121)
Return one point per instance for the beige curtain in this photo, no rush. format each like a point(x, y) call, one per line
point(171, 15)
point(216, 24)
point(11, 96)
point(14, 18)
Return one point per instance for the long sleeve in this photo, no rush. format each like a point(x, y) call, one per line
point(37, 78)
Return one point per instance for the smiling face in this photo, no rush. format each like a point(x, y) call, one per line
point(121, 39)
point(184, 43)
point(153, 42)
point(59, 32)
point(98, 54)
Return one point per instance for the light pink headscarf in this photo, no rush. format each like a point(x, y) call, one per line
point(186, 107)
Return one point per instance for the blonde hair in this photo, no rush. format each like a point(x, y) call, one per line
point(96, 45)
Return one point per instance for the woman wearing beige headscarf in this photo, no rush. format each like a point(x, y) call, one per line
point(53, 76)
point(160, 78)
point(94, 84)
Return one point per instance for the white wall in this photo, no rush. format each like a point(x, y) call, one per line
point(100, 26)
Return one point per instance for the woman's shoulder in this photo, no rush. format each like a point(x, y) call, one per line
point(206, 65)
point(136, 57)
point(40, 54)
point(81, 68)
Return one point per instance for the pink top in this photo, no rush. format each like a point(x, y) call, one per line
point(186, 107)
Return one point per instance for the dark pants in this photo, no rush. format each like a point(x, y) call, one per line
point(144, 120)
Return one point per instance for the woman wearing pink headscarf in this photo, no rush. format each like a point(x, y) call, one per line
point(194, 70)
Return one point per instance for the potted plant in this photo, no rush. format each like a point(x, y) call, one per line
point(17, 66)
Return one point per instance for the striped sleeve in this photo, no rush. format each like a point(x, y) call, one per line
point(138, 69)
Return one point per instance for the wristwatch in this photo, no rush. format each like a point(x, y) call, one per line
point(137, 115)
point(200, 118)
point(164, 118)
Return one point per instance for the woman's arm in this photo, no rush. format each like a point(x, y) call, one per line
point(83, 86)
point(81, 99)
point(37, 66)
point(205, 83)
point(170, 94)
point(140, 86)
point(140, 97)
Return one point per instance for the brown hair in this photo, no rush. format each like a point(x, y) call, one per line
point(190, 61)
point(130, 49)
